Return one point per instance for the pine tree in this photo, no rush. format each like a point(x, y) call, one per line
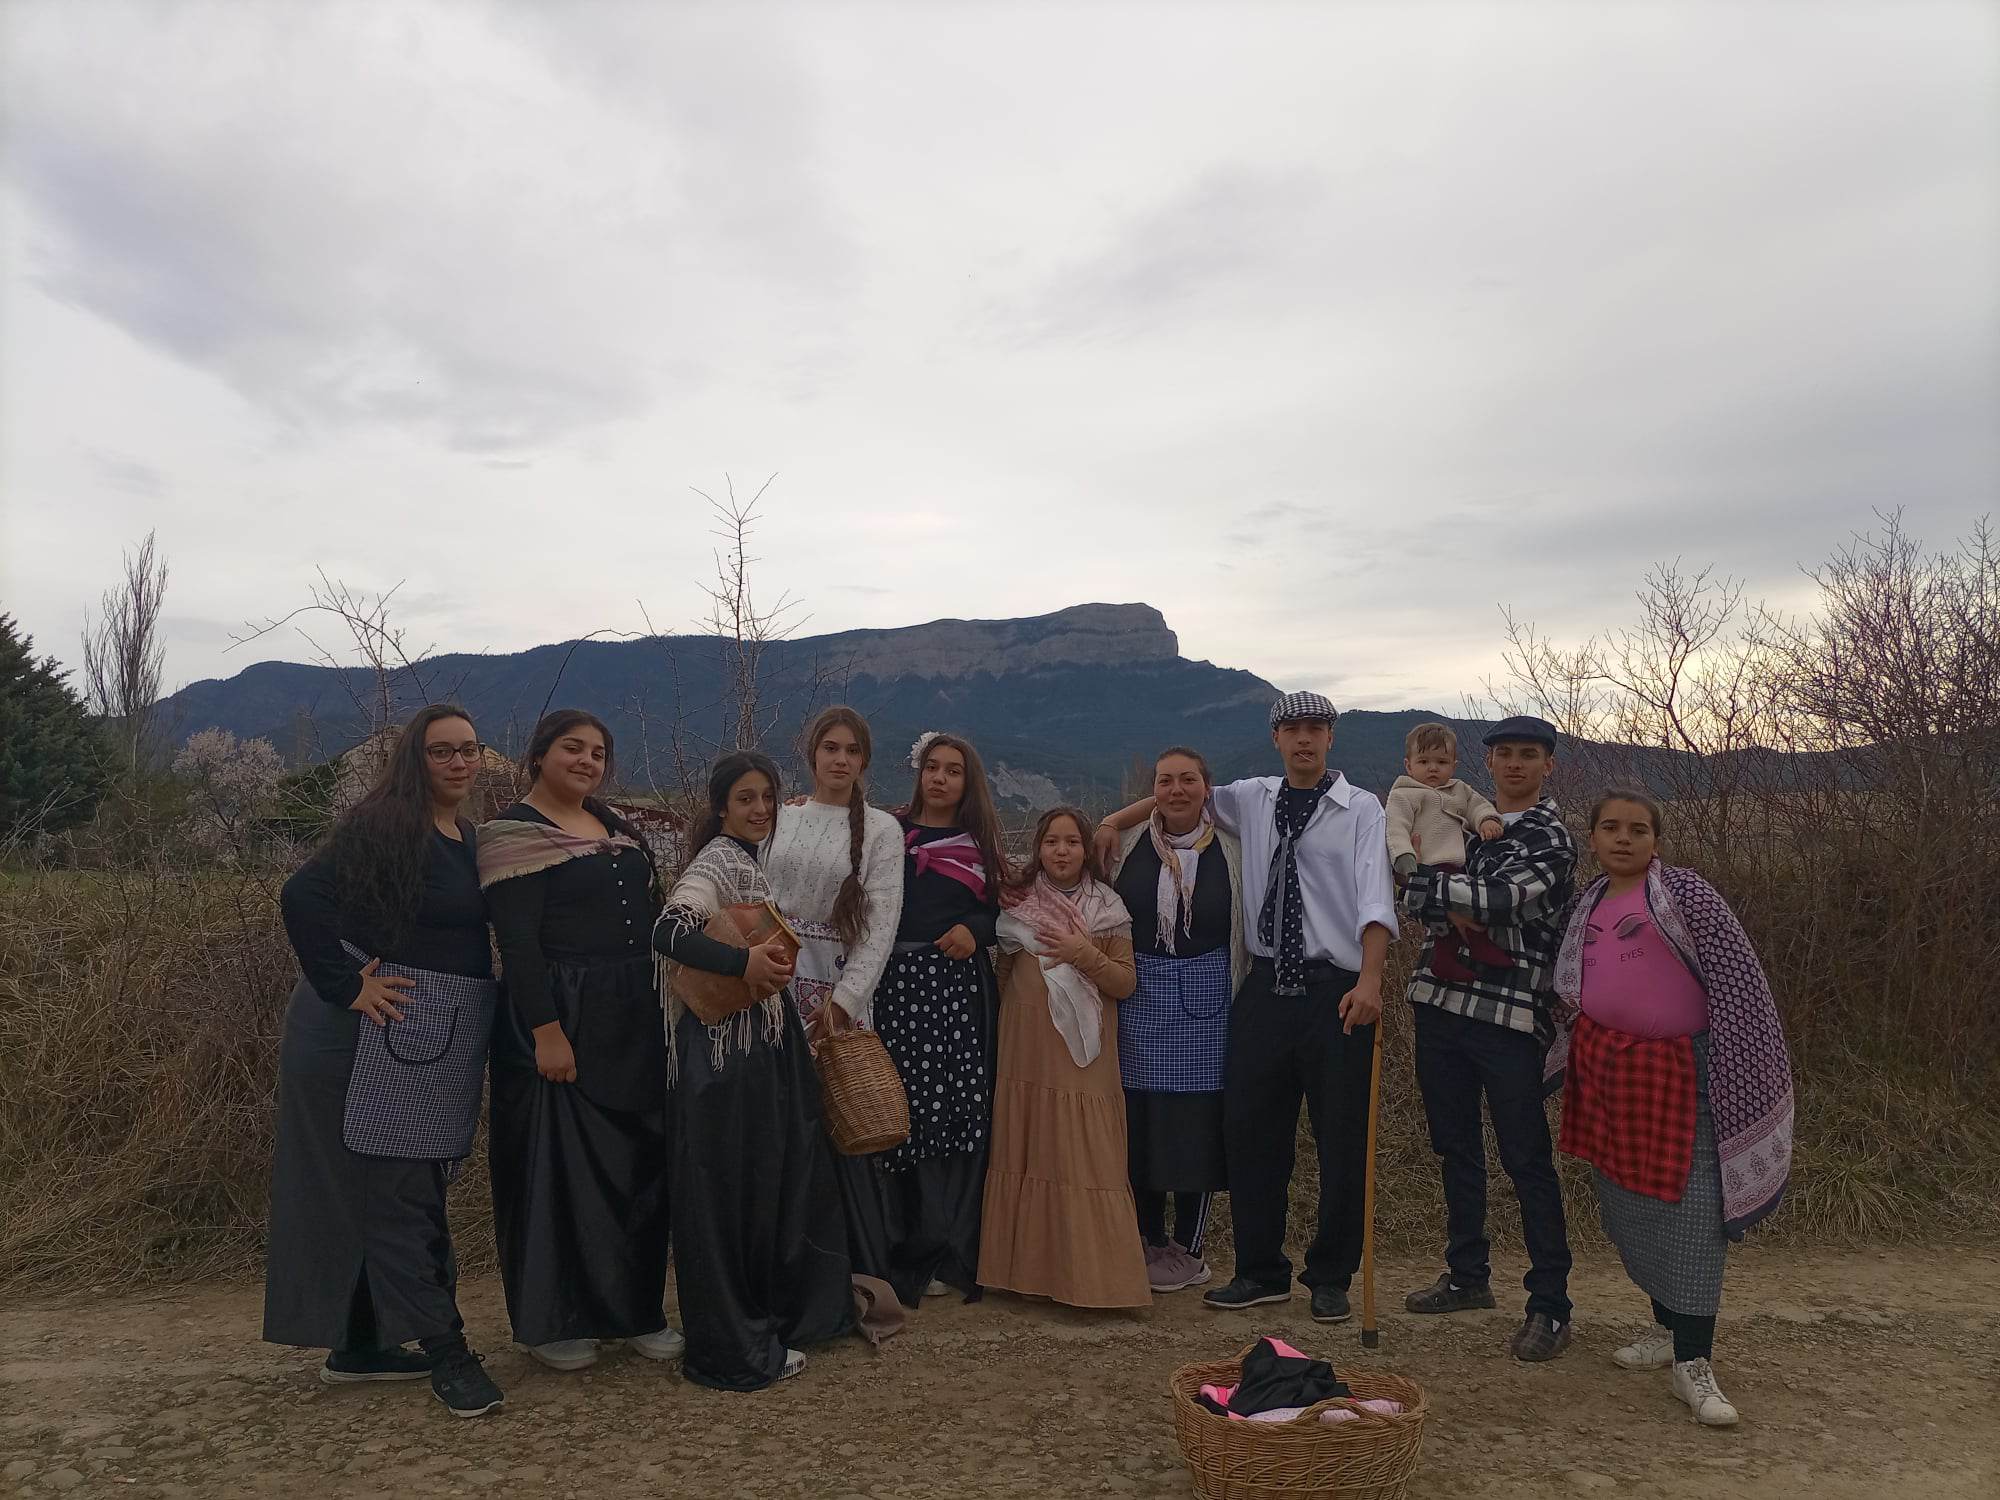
point(52, 760)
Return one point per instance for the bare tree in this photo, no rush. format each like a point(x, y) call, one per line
point(745, 628)
point(395, 679)
point(123, 656)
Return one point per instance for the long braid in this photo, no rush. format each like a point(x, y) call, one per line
point(848, 912)
point(849, 915)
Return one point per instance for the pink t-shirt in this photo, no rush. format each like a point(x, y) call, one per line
point(1632, 981)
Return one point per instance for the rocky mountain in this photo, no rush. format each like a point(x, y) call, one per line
point(1061, 705)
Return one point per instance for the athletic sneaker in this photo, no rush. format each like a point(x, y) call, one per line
point(351, 1366)
point(1169, 1268)
point(1243, 1292)
point(794, 1362)
point(460, 1381)
point(1651, 1350)
point(937, 1289)
point(1694, 1383)
point(565, 1354)
point(664, 1345)
point(1447, 1296)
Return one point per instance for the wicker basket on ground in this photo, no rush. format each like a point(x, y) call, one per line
point(1372, 1457)
point(860, 1093)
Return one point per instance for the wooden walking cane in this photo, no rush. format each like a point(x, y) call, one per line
point(1369, 1338)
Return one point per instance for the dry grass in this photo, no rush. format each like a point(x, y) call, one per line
point(140, 1014)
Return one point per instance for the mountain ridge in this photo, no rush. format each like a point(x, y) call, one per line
point(1074, 699)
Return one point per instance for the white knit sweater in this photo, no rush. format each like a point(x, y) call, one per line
point(806, 861)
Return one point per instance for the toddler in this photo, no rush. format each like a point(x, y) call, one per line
point(1429, 812)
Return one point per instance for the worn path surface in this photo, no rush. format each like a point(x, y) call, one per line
point(1863, 1375)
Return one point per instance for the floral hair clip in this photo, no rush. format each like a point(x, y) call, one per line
point(917, 750)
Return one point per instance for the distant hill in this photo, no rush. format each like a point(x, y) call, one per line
point(1060, 705)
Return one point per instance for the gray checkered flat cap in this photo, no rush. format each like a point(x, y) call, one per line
point(1296, 706)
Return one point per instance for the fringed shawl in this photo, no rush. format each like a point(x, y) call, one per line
point(1076, 1009)
point(721, 875)
point(1750, 1073)
point(518, 846)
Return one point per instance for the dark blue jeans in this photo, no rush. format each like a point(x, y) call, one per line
point(1458, 1060)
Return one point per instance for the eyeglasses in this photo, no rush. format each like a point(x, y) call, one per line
point(442, 755)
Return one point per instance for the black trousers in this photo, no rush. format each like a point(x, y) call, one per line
point(1283, 1048)
point(1458, 1060)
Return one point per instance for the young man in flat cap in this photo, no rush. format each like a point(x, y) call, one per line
point(1485, 1029)
point(1318, 917)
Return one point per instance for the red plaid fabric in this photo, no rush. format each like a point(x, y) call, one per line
point(1629, 1108)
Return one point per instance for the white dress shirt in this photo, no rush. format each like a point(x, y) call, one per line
point(1343, 857)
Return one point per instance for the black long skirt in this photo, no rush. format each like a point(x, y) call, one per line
point(359, 1255)
point(580, 1171)
point(760, 1242)
point(913, 1212)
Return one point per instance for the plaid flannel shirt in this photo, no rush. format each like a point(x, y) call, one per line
point(1516, 887)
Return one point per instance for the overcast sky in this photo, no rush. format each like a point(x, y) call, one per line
point(1326, 328)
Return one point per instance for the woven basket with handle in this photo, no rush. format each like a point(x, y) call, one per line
point(860, 1093)
point(1372, 1457)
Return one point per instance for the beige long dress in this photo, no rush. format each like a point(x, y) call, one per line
point(1059, 1220)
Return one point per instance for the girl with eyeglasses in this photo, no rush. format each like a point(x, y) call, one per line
point(379, 1076)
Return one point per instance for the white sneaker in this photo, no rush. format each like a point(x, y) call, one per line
point(794, 1362)
point(565, 1354)
point(1694, 1383)
point(937, 1289)
point(1651, 1350)
point(666, 1344)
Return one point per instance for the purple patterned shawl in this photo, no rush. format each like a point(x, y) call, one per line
point(1750, 1074)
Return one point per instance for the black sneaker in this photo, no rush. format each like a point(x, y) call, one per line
point(350, 1366)
point(1446, 1296)
point(1540, 1337)
point(1243, 1292)
point(460, 1381)
point(1330, 1305)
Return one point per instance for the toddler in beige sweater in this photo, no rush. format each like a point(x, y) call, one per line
point(1429, 812)
point(1429, 809)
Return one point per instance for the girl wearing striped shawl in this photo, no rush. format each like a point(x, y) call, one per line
point(760, 1239)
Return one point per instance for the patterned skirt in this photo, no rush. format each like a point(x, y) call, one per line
point(1674, 1251)
point(931, 1013)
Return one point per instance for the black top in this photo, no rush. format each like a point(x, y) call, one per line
point(933, 904)
point(596, 907)
point(680, 937)
point(446, 933)
point(1138, 884)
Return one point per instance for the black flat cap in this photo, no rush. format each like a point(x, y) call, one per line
point(1522, 727)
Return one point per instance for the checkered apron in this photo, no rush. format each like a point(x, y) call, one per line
point(1173, 1032)
point(414, 1089)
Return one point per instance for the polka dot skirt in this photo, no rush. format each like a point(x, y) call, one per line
point(928, 1012)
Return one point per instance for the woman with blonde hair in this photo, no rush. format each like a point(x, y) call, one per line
point(1058, 1219)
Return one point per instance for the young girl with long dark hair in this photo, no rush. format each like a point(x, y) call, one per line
point(936, 1009)
point(390, 933)
point(579, 1150)
point(760, 1241)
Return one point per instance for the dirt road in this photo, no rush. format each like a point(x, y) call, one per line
point(1865, 1375)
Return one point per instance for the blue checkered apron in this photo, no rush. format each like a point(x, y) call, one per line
point(1173, 1033)
point(414, 1090)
